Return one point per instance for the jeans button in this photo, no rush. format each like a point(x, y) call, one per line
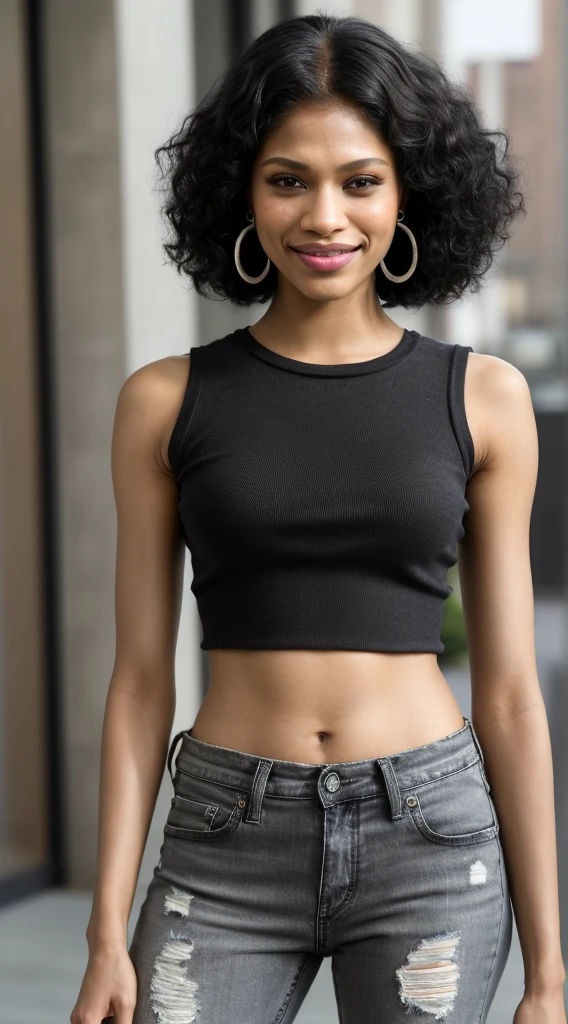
point(411, 801)
point(332, 782)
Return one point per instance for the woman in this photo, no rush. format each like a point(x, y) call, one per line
point(322, 465)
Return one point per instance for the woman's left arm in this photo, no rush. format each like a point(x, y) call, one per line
point(508, 711)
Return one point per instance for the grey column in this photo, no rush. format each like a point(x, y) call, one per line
point(84, 196)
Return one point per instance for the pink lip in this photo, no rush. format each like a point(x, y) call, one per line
point(326, 262)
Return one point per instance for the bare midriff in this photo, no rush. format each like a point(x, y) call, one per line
point(322, 706)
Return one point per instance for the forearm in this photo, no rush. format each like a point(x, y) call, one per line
point(518, 761)
point(135, 738)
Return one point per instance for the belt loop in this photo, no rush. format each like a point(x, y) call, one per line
point(476, 741)
point(257, 791)
point(391, 783)
point(171, 750)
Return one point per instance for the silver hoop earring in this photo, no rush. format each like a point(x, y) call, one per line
point(242, 272)
point(409, 273)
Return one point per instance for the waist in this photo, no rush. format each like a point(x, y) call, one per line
point(358, 778)
point(313, 706)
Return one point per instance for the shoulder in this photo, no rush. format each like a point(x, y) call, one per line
point(150, 399)
point(496, 378)
point(499, 397)
point(156, 379)
point(499, 386)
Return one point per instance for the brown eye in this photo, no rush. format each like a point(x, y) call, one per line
point(282, 178)
point(366, 181)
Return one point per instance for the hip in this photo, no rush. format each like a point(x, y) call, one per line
point(391, 865)
point(416, 824)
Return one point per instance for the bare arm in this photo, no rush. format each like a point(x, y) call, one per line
point(141, 697)
point(508, 710)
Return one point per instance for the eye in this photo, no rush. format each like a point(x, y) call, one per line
point(281, 179)
point(368, 181)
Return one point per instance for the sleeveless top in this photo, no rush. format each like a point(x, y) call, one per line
point(322, 504)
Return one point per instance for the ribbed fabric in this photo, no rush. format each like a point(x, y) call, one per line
point(322, 505)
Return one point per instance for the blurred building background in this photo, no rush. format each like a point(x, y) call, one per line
point(88, 91)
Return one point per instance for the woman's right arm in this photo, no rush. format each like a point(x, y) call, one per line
point(140, 703)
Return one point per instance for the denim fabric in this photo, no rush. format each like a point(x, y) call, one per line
point(391, 866)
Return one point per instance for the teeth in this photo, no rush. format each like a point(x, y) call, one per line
point(334, 252)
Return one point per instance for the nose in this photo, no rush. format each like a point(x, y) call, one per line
point(324, 211)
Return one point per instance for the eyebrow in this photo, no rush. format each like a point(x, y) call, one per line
point(351, 166)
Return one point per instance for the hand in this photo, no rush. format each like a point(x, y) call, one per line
point(541, 1008)
point(108, 989)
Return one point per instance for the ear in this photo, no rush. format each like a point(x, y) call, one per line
point(403, 197)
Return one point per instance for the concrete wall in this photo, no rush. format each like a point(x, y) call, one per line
point(156, 88)
point(115, 307)
point(90, 362)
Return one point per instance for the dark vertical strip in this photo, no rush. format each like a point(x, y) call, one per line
point(558, 712)
point(286, 8)
point(239, 14)
point(563, 157)
point(40, 205)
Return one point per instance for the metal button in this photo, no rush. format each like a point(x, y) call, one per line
point(411, 801)
point(332, 782)
point(241, 802)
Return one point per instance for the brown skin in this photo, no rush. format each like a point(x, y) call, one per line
point(322, 706)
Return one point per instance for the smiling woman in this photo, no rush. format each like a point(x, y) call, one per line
point(462, 193)
point(335, 254)
point(326, 469)
point(358, 211)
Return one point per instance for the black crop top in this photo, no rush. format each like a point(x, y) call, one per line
point(322, 504)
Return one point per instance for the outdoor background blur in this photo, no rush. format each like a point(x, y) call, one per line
point(88, 91)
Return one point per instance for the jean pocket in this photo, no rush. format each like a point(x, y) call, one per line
point(203, 808)
point(455, 810)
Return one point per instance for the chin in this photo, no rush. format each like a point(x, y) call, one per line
point(327, 290)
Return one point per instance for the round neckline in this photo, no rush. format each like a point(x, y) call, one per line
point(403, 348)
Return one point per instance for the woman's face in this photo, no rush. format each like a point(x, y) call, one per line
point(302, 193)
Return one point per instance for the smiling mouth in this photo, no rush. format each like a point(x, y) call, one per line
point(323, 252)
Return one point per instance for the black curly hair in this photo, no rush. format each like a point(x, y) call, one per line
point(463, 192)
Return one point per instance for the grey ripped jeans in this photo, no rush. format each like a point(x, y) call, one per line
point(391, 866)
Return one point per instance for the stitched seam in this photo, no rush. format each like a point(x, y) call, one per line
point(498, 935)
point(193, 384)
point(347, 898)
point(189, 833)
point(429, 782)
point(295, 982)
point(460, 839)
point(456, 382)
point(320, 926)
point(189, 422)
point(206, 778)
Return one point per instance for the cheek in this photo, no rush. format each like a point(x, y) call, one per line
point(281, 212)
point(378, 210)
point(276, 217)
point(378, 216)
